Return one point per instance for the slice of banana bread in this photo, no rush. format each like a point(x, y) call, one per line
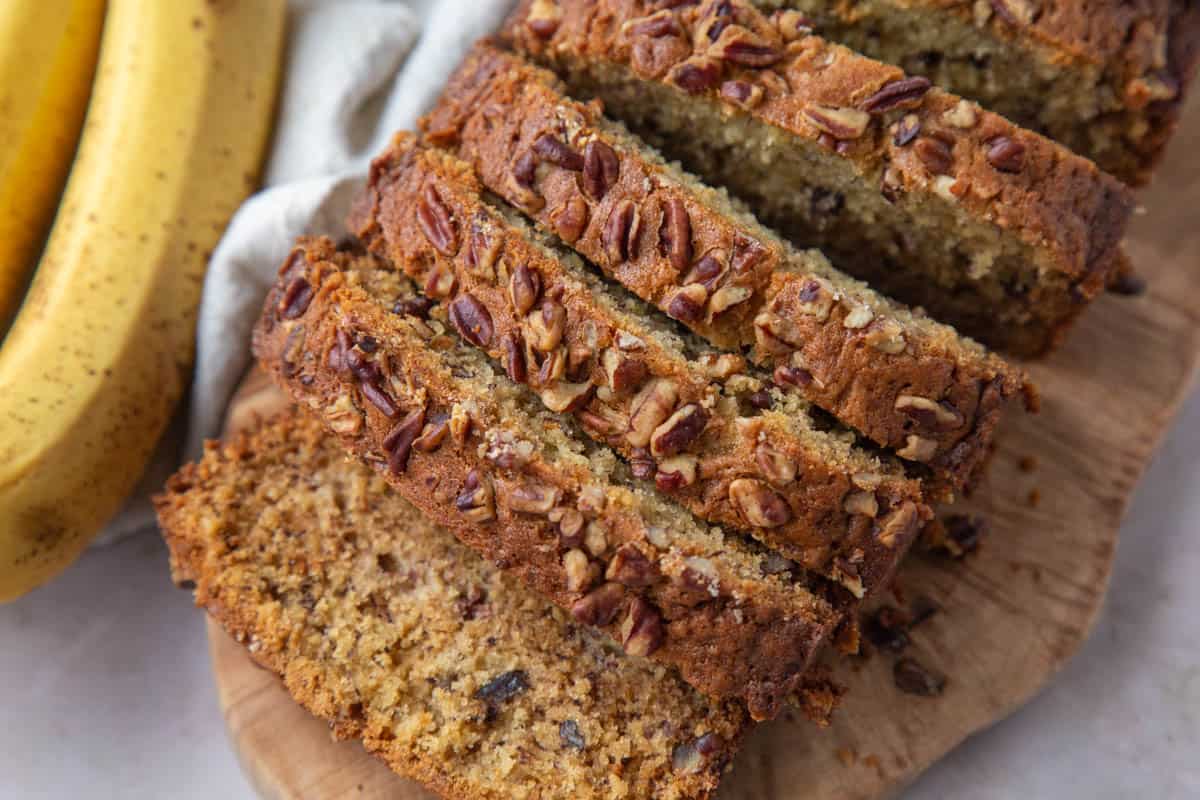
point(396, 634)
point(706, 427)
point(994, 229)
point(482, 457)
point(904, 381)
point(1107, 78)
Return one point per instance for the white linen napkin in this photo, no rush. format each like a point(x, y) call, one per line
point(356, 73)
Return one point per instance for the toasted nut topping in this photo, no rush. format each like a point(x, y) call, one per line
point(435, 221)
point(581, 572)
point(660, 23)
point(566, 398)
point(642, 631)
point(1005, 154)
point(296, 298)
point(482, 252)
point(948, 187)
point(758, 504)
point(678, 431)
point(918, 449)
point(601, 169)
point(859, 317)
point(433, 434)
point(599, 607)
point(591, 499)
point(543, 18)
point(963, 115)
point(721, 366)
point(505, 450)
point(513, 358)
point(571, 219)
point(379, 398)
point(625, 373)
point(675, 234)
point(524, 288)
point(903, 93)
point(742, 94)
point(842, 124)
point(553, 150)
point(650, 408)
point(460, 424)
point(595, 538)
point(416, 307)
point(521, 188)
point(642, 464)
point(929, 414)
point(862, 503)
point(630, 343)
point(343, 416)
point(471, 319)
point(552, 370)
point(477, 498)
point(886, 336)
point(700, 575)
point(399, 441)
point(545, 326)
point(906, 130)
point(737, 45)
point(709, 269)
point(675, 473)
point(440, 283)
point(778, 468)
point(726, 298)
point(697, 74)
point(630, 567)
point(935, 154)
point(621, 232)
point(687, 304)
point(532, 498)
point(293, 351)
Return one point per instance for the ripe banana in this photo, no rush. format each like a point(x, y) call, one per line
point(101, 349)
point(47, 57)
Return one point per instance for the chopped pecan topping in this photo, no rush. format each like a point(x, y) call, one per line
point(524, 288)
point(649, 409)
point(678, 431)
point(777, 467)
point(793, 25)
point(863, 503)
point(935, 153)
point(482, 251)
point(929, 414)
point(433, 434)
point(675, 234)
point(546, 325)
point(625, 373)
point(917, 448)
point(641, 464)
point(435, 221)
point(660, 23)
point(697, 74)
point(840, 123)
point(1015, 12)
point(758, 504)
point(477, 500)
point(441, 282)
point(399, 441)
point(417, 307)
point(543, 18)
point(621, 232)
point(630, 567)
point(532, 498)
point(379, 398)
point(726, 298)
point(642, 631)
point(600, 606)
point(903, 93)
point(906, 129)
point(296, 299)
point(675, 473)
point(571, 219)
point(601, 169)
point(581, 572)
point(742, 94)
point(513, 358)
point(566, 398)
point(1005, 154)
point(552, 149)
point(737, 45)
point(471, 319)
point(687, 304)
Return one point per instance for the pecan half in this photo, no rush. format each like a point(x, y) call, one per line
point(697, 74)
point(399, 441)
point(379, 398)
point(740, 46)
point(571, 219)
point(903, 93)
point(935, 154)
point(1005, 154)
point(842, 124)
point(621, 232)
point(435, 221)
point(433, 434)
point(661, 23)
point(642, 631)
point(742, 94)
point(687, 304)
point(929, 414)
point(524, 288)
point(675, 234)
point(601, 169)
point(471, 319)
point(650, 408)
point(513, 358)
point(296, 299)
point(545, 326)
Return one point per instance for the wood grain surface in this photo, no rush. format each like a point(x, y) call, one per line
point(1009, 616)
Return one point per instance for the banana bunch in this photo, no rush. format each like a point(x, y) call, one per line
point(100, 352)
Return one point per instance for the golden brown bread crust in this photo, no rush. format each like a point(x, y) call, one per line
point(691, 598)
point(1056, 202)
point(361, 620)
point(1143, 51)
point(923, 392)
point(847, 515)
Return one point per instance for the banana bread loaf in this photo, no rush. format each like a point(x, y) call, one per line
point(904, 381)
point(481, 457)
point(706, 427)
point(1107, 79)
point(994, 229)
point(396, 634)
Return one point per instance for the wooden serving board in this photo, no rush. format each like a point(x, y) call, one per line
point(1010, 614)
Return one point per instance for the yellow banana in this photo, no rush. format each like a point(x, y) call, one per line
point(101, 349)
point(47, 57)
